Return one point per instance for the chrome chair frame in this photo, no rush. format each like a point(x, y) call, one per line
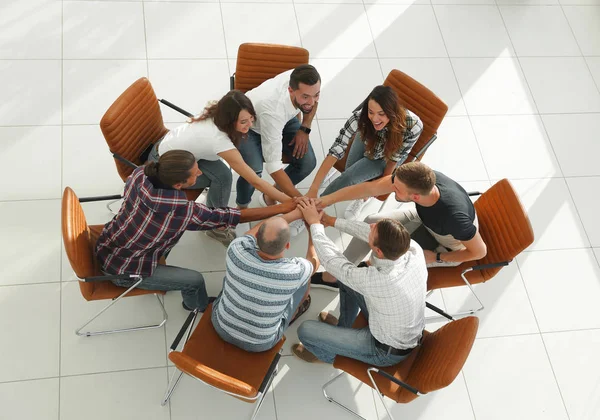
point(115, 300)
point(174, 381)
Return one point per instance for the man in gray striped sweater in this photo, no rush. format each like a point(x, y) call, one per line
point(263, 291)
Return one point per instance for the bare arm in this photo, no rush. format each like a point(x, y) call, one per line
point(380, 186)
point(252, 215)
point(389, 168)
point(475, 249)
point(321, 174)
point(235, 160)
point(311, 253)
point(284, 182)
point(288, 217)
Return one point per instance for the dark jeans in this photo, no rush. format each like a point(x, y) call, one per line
point(251, 151)
point(167, 277)
point(326, 341)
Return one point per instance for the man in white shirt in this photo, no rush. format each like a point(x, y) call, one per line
point(279, 129)
point(390, 292)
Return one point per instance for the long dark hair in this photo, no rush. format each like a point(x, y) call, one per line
point(172, 167)
point(225, 113)
point(389, 102)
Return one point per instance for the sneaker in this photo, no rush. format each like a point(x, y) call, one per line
point(353, 210)
point(225, 236)
point(301, 353)
point(317, 281)
point(261, 200)
point(296, 227)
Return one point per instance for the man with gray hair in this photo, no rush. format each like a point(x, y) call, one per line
point(263, 291)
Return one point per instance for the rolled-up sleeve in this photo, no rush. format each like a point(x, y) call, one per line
point(271, 128)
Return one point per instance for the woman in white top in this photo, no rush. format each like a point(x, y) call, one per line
point(214, 134)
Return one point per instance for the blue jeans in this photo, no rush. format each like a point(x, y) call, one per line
point(167, 277)
point(358, 168)
point(251, 151)
point(287, 316)
point(215, 175)
point(326, 341)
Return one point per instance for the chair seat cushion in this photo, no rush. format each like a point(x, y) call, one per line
point(400, 371)
point(220, 364)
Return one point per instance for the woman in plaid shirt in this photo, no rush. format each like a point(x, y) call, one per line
point(382, 133)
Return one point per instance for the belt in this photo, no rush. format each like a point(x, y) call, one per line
point(392, 350)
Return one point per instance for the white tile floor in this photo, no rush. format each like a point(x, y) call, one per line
point(521, 79)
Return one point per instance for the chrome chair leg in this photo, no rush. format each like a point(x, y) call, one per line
point(145, 327)
point(171, 387)
point(463, 313)
point(110, 203)
point(331, 399)
point(262, 397)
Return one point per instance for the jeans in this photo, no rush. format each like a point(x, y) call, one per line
point(251, 151)
point(358, 168)
point(357, 250)
point(167, 277)
point(216, 176)
point(288, 314)
point(326, 341)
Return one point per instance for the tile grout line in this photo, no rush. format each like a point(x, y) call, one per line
point(145, 39)
point(62, 129)
point(597, 84)
point(468, 114)
point(297, 25)
point(562, 173)
point(541, 336)
point(464, 377)
point(373, 41)
point(227, 58)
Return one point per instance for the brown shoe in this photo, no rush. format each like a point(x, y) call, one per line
point(301, 353)
point(327, 318)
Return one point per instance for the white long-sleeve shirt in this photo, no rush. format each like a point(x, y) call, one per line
point(394, 291)
point(274, 108)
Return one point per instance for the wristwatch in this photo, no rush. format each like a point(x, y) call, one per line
point(305, 129)
point(438, 258)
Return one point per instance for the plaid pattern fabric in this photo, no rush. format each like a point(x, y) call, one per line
point(414, 127)
point(394, 291)
point(149, 223)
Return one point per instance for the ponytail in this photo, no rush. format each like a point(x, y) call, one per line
point(172, 167)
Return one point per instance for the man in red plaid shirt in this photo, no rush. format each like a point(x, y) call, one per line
point(154, 215)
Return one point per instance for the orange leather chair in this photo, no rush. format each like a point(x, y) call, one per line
point(209, 359)
point(259, 62)
point(132, 124)
point(433, 365)
point(79, 240)
point(504, 227)
point(420, 100)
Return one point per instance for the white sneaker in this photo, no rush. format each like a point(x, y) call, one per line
point(353, 210)
point(261, 200)
point(296, 227)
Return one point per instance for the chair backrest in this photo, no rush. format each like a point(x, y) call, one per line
point(420, 100)
point(132, 123)
point(441, 357)
point(77, 239)
point(503, 224)
point(259, 62)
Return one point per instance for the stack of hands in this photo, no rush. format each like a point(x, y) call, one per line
point(312, 211)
